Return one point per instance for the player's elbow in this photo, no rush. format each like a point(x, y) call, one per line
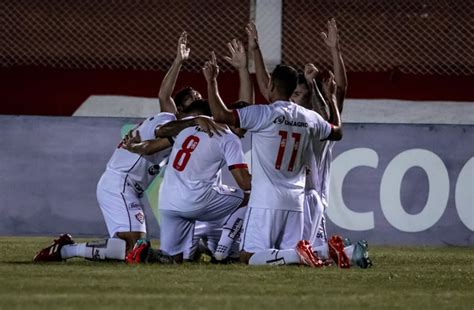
point(224, 117)
point(336, 133)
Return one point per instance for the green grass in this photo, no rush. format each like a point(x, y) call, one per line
point(402, 278)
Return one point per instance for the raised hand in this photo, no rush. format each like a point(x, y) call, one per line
point(183, 51)
point(252, 34)
point(210, 127)
point(238, 55)
point(211, 69)
point(329, 85)
point(331, 38)
point(310, 72)
point(130, 140)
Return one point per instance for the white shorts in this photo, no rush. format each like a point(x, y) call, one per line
point(314, 225)
point(121, 205)
point(271, 229)
point(177, 227)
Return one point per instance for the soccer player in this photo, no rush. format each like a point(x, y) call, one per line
point(193, 178)
point(121, 187)
point(281, 136)
point(323, 98)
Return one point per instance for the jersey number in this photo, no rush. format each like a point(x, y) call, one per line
point(184, 154)
point(281, 151)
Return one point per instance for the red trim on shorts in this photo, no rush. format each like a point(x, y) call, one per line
point(238, 166)
point(236, 118)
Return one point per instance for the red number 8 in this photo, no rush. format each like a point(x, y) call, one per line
point(187, 148)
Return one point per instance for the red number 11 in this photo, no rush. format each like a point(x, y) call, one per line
point(281, 151)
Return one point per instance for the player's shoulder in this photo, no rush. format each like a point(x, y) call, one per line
point(159, 119)
point(163, 116)
point(309, 114)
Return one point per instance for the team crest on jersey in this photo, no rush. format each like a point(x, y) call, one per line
point(154, 170)
point(140, 217)
point(281, 120)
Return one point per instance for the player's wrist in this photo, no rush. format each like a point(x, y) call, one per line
point(335, 48)
point(178, 61)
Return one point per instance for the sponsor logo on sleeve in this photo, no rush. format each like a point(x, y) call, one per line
point(136, 206)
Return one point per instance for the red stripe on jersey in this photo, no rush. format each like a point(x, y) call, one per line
point(238, 166)
point(236, 118)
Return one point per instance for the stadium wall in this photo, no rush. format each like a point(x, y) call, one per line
point(59, 92)
point(391, 183)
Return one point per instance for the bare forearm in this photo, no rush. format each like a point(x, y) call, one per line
point(335, 114)
point(318, 103)
point(219, 111)
point(150, 146)
point(167, 87)
point(340, 76)
point(263, 77)
point(173, 128)
point(246, 87)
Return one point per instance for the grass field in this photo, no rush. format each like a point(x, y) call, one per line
point(402, 278)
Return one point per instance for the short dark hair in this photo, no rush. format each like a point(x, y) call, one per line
point(200, 106)
point(301, 79)
point(285, 79)
point(182, 95)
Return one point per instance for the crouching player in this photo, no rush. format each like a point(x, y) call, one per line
point(191, 191)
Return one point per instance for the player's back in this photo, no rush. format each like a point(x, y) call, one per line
point(136, 169)
point(194, 167)
point(281, 136)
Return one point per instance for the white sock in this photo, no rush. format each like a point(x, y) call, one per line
point(349, 250)
point(230, 233)
point(322, 251)
point(112, 248)
point(275, 257)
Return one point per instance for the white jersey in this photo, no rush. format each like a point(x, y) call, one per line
point(137, 170)
point(194, 168)
point(318, 177)
point(281, 136)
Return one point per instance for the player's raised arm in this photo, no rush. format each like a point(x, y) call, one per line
point(219, 111)
point(263, 77)
point(331, 38)
point(204, 123)
point(318, 103)
point(238, 59)
point(167, 103)
point(134, 144)
point(335, 119)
